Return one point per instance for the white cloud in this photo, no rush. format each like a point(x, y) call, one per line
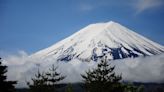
point(138, 5)
point(142, 5)
point(86, 7)
point(92, 5)
point(148, 69)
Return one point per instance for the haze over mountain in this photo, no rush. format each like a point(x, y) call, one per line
point(95, 41)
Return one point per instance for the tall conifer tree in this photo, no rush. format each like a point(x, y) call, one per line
point(5, 86)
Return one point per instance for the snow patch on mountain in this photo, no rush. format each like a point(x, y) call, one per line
point(98, 40)
point(90, 44)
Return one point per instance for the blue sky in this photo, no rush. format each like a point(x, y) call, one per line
point(32, 25)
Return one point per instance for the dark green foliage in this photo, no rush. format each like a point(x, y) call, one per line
point(5, 86)
point(104, 79)
point(69, 88)
point(46, 81)
point(131, 88)
point(39, 84)
point(140, 88)
point(53, 76)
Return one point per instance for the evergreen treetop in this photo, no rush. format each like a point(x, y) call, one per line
point(103, 79)
point(45, 81)
point(6, 86)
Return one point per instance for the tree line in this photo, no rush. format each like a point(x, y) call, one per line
point(99, 79)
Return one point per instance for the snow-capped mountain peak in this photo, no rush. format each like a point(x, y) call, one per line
point(98, 40)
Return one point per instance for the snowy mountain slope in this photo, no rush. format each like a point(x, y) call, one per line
point(98, 40)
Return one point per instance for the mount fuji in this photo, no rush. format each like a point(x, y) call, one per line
point(95, 41)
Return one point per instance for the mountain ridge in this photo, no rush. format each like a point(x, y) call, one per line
point(98, 40)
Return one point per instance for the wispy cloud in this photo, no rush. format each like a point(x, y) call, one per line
point(92, 5)
point(143, 5)
point(144, 69)
point(139, 5)
point(86, 7)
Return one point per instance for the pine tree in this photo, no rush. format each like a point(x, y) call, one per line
point(102, 79)
point(53, 76)
point(39, 83)
point(45, 81)
point(5, 86)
